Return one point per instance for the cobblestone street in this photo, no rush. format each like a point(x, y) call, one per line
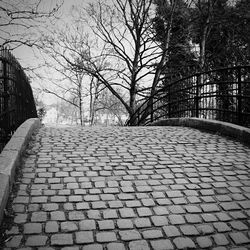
point(134, 188)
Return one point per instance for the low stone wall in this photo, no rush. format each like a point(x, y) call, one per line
point(10, 158)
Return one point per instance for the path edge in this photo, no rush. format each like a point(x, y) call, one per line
point(223, 128)
point(10, 158)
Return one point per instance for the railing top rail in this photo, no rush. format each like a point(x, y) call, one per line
point(206, 72)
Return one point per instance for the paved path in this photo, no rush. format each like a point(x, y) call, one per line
point(131, 188)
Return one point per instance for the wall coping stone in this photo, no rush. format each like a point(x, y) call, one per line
point(10, 158)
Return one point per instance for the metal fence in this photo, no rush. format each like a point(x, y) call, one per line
point(16, 97)
point(221, 94)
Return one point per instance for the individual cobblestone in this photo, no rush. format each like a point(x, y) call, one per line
point(106, 237)
point(51, 227)
point(36, 240)
point(184, 243)
point(139, 245)
point(161, 245)
point(61, 239)
point(84, 237)
point(117, 188)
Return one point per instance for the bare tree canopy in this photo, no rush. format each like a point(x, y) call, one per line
point(114, 42)
point(20, 21)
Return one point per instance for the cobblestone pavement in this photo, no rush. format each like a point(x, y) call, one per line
point(131, 188)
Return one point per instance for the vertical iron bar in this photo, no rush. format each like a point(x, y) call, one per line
point(6, 98)
point(239, 97)
point(197, 96)
point(169, 99)
point(151, 109)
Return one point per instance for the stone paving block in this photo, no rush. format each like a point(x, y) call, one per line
point(51, 227)
point(116, 246)
point(193, 218)
point(64, 248)
point(143, 212)
point(208, 208)
point(87, 225)
point(209, 217)
point(205, 229)
point(174, 194)
point(148, 202)
point(127, 212)
point(76, 215)
point(221, 227)
point(152, 234)
point(176, 209)
point(238, 225)
point(176, 219)
point(189, 230)
point(106, 225)
point(57, 215)
point(68, 226)
point(61, 239)
point(93, 247)
point(159, 220)
point(223, 216)
point(171, 231)
point(20, 218)
point(139, 245)
point(237, 215)
point(50, 206)
point(36, 240)
point(79, 206)
point(239, 238)
point(129, 235)
point(230, 206)
point(124, 224)
point(32, 228)
point(134, 203)
point(220, 239)
point(15, 241)
point(142, 222)
point(204, 242)
point(244, 204)
point(184, 243)
point(106, 237)
point(84, 237)
point(160, 210)
point(12, 231)
point(161, 245)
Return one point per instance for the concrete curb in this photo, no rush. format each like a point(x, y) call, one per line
point(10, 158)
point(224, 128)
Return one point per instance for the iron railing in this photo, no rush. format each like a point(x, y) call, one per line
point(16, 97)
point(221, 94)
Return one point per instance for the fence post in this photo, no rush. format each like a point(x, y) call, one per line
point(239, 96)
point(151, 109)
point(169, 100)
point(6, 119)
point(198, 79)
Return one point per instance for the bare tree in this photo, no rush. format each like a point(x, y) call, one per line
point(107, 104)
point(20, 21)
point(134, 60)
point(71, 91)
point(114, 43)
point(69, 82)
